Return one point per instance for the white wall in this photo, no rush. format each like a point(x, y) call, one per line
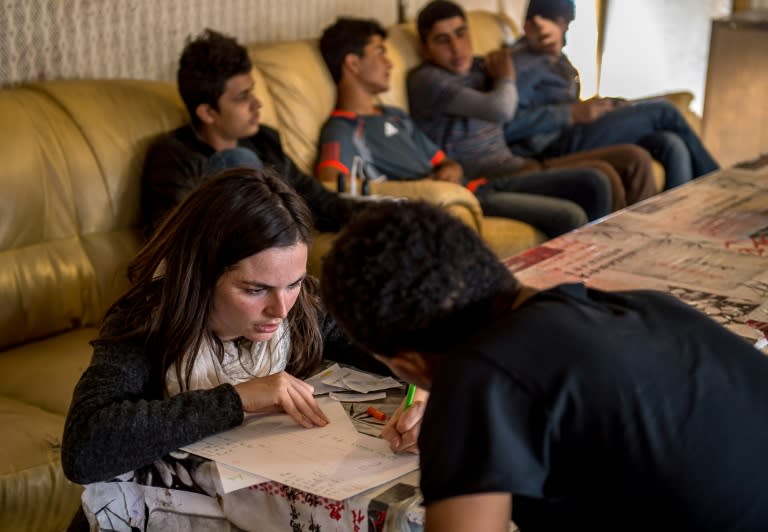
point(581, 46)
point(50, 39)
point(651, 46)
point(654, 46)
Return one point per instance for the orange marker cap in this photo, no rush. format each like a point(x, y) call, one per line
point(378, 414)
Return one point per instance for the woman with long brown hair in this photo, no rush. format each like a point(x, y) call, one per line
point(221, 319)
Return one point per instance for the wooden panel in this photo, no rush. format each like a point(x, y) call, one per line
point(735, 126)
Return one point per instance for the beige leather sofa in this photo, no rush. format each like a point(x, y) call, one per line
point(71, 154)
point(69, 187)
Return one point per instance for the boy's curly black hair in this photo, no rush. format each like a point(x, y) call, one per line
point(206, 64)
point(411, 276)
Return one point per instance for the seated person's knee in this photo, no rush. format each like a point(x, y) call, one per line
point(230, 158)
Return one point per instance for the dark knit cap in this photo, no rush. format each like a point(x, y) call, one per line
point(552, 9)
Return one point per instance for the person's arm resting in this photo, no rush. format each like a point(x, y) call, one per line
point(116, 423)
point(448, 170)
point(329, 210)
point(336, 150)
point(329, 174)
point(538, 120)
point(497, 105)
point(489, 512)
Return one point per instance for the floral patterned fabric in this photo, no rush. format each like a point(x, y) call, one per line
point(181, 492)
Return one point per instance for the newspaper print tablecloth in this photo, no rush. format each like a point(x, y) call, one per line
point(705, 242)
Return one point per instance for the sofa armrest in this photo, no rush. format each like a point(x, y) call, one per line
point(457, 199)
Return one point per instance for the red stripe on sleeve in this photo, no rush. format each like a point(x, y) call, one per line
point(338, 113)
point(331, 164)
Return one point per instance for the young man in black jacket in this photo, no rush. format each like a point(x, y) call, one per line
point(215, 82)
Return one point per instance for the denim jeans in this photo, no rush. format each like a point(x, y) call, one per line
point(230, 158)
point(638, 124)
point(670, 150)
point(554, 201)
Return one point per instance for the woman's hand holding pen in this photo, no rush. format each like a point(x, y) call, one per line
point(282, 392)
point(402, 429)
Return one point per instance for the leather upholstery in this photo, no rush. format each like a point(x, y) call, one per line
point(72, 155)
point(36, 382)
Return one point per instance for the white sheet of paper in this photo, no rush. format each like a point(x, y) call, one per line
point(358, 381)
point(351, 397)
point(233, 479)
point(334, 461)
point(316, 380)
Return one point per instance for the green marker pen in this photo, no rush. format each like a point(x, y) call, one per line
point(409, 396)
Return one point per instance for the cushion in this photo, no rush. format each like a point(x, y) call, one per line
point(43, 374)
point(34, 494)
point(303, 97)
point(508, 237)
point(72, 174)
point(118, 119)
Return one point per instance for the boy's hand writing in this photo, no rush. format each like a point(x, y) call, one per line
point(402, 429)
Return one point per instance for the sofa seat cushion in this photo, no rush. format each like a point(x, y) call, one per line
point(44, 373)
point(34, 493)
point(508, 237)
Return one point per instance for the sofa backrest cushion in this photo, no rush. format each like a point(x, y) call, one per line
point(403, 50)
point(73, 155)
point(267, 112)
point(302, 92)
point(487, 30)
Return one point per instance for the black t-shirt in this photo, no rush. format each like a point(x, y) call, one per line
point(617, 411)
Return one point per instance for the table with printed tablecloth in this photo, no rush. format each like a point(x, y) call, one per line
point(705, 242)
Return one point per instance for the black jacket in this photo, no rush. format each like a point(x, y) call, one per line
point(175, 165)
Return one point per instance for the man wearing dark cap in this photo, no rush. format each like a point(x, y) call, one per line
point(552, 121)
